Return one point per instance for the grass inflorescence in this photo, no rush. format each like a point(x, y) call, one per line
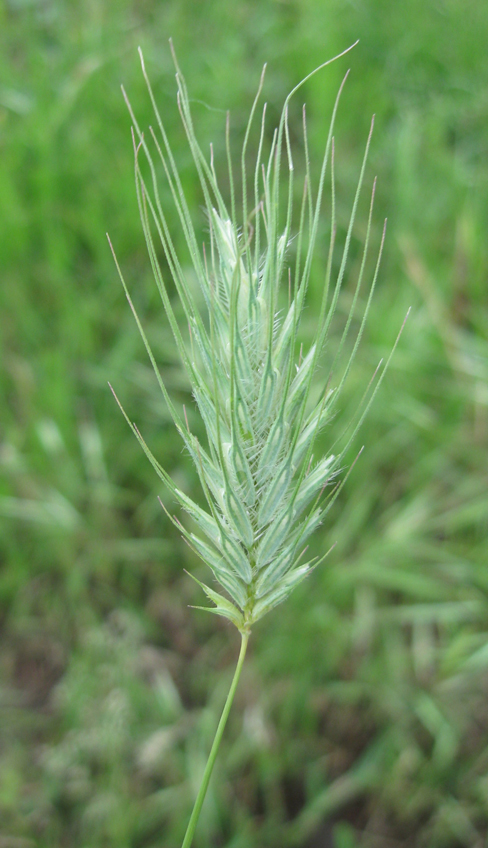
point(253, 384)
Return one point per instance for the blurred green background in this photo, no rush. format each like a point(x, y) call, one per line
point(362, 717)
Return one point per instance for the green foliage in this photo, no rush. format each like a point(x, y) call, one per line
point(373, 711)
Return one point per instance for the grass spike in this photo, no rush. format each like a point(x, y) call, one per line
point(266, 487)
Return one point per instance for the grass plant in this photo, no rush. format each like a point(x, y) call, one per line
point(253, 384)
point(109, 682)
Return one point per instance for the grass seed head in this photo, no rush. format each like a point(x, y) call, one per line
point(262, 486)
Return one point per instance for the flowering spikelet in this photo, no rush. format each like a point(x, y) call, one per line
point(262, 486)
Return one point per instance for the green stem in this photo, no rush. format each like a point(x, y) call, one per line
point(190, 831)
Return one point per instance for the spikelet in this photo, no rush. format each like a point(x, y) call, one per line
point(262, 486)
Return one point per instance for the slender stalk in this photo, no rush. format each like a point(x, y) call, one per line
point(215, 747)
